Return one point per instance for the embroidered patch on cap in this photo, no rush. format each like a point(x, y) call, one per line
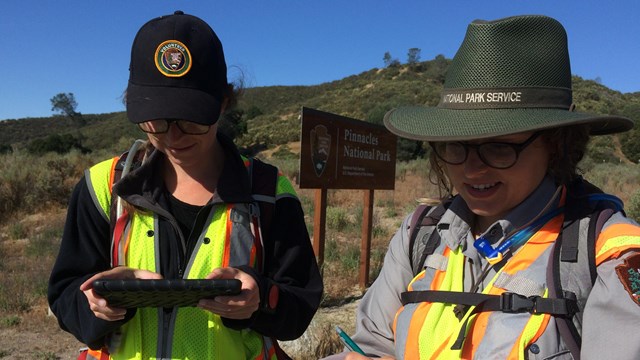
point(629, 275)
point(173, 58)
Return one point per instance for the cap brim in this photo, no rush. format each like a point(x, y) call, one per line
point(146, 103)
point(437, 124)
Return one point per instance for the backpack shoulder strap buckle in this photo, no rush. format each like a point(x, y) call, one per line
point(516, 303)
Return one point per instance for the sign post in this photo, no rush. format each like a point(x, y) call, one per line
point(343, 153)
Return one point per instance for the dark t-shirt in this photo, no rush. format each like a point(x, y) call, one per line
point(184, 213)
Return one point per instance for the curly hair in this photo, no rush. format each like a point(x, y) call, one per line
point(567, 146)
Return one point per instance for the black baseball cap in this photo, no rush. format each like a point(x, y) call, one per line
point(177, 71)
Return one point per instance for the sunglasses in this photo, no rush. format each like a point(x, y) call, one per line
point(161, 126)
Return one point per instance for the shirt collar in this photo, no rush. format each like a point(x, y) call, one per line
point(455, 226)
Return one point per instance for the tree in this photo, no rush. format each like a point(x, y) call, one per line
point(65, 104)
point(413, 56)
point(253, 111)
point(389, 61)
point(438, 68)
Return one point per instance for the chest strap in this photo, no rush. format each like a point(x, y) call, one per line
point(507, 302)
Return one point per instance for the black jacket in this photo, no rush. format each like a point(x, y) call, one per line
point(289, 259)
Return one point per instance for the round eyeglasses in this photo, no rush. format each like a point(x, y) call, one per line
point(498, 155)
point(161, 126)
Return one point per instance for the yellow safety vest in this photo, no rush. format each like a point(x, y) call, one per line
point(192, 333)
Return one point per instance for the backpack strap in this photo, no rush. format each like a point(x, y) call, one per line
point(264, 190)
point(118, 216)
point(507, 302)
point(572, 270)
point(422, 228)
point(264, 187)
point(414, 226)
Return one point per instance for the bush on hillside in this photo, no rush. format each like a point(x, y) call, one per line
point(5, 149)
point(633, 207)
point(60, 144)
point(29, 183)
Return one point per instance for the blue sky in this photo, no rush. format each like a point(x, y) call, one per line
point(83, 46)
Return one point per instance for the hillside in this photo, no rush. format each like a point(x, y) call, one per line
point(271, 114)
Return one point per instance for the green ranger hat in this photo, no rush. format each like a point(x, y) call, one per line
point(510, 75)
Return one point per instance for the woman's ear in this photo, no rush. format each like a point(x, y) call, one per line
point(224, 105)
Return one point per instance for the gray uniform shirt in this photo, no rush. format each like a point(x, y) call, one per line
point(610, 317)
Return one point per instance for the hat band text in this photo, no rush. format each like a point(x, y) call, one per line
point(505, 98)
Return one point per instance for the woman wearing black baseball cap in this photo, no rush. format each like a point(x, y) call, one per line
point(193, 208)
point(522, 259)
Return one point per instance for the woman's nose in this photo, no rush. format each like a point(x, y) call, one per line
point(474, 164)
point(174, 131)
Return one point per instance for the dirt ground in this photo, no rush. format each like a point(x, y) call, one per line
point(38, 336)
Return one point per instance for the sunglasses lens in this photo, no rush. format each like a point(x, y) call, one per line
point(498, 155)
point(451, 152)
point(189, 127)
point(154, 126)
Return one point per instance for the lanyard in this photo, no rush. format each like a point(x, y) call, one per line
point(521, 236)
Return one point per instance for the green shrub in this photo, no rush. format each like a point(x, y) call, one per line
point(29, 183)
point(331, 251)
point(12, 320)
point(287, 162)
point(60, 144)
point(617, 179)
point(633, 206)
point(336, 218)
point(350, 257)
point(17, 231)
point(46, 355)
point(16, 295)
point(44, 243)
point(5, 149)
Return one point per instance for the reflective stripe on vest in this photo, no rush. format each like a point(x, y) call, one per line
point(192, 332)
point(431, 329)
point(99, 179)
point(616, 239)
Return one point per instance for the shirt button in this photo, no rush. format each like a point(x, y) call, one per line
point(534, 348)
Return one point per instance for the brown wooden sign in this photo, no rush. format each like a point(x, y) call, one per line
point(343, 153)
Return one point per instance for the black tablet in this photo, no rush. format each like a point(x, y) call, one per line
point(137, 293)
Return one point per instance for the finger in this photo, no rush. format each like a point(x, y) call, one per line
point(88, 284)
point(145, 274)
point(102, 310)
point(113, 317)
point(223, 273)
point(228, 311)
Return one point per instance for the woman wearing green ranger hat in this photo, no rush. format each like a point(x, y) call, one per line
point(522, 259)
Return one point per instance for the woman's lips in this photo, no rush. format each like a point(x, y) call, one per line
point(482, 190)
